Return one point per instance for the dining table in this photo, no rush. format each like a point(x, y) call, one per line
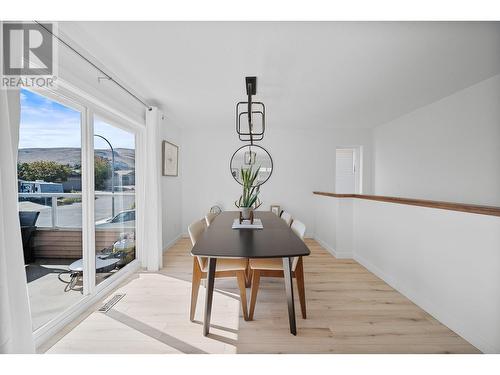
point(274, 240)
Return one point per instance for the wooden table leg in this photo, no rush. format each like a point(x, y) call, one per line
point(209, 295)
point(287, 273)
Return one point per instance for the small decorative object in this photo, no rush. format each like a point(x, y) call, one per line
point(249, 200)
point(170, 159)
point(246, 214)
point(275, 209)
point(215, 210)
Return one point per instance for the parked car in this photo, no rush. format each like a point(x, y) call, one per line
point(124, 218)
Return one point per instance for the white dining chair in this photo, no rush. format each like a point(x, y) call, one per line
point(225, 268)
point(210, 217)
point(299, 228)
point(273, 267)
point(287, 218)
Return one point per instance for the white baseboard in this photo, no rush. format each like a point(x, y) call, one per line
point(172, 242)
point(337, 254)
point(443, 317)
point(44, 333)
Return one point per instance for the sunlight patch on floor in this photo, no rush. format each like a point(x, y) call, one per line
point(153, 317)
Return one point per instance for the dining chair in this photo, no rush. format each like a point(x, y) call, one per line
point(225, 268)
point(273, 267)
point(209, 218)
point(287, 218)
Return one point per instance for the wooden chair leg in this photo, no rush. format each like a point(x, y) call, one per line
point(241, 276)
point(253, 295)
point(195, 286)
point(248, 277)
point(299, 276)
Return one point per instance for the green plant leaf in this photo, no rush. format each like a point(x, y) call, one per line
point(250, 192)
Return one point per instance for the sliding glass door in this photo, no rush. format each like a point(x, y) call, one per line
point(77, 201)
point(114, 203)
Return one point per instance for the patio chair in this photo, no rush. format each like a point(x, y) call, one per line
point(120, 254)
point(28, 219)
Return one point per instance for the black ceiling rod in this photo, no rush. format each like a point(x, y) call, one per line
point(249, 93)
point(250, 125)
point(106, 75)
point(251, 90)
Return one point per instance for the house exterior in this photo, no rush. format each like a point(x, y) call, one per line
point(125, 177)
point(39, 186)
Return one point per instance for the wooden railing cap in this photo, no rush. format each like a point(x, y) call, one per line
point(451, 206)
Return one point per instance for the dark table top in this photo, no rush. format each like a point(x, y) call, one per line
point(276, 240)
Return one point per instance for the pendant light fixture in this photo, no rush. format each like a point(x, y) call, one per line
point(250, 115)
point(250, 127)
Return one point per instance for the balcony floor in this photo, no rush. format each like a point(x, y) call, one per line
point(349, 309)
point(46, 292)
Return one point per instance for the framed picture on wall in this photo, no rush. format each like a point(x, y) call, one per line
point(170, 159)
point(275, 209)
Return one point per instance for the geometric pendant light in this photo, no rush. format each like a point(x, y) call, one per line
point(250, 115)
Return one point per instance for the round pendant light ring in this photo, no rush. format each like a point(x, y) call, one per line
point(251, 156)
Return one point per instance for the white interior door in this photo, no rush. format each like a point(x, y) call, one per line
point(346, 171)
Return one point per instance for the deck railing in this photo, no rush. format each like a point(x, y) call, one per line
point(53, 205)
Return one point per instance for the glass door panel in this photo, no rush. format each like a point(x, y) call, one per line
point(50, 204)
point(114, 203)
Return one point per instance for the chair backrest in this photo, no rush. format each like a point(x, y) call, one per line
point(287, 218)
point(209, 218)
point(28, 218)
point(196, 229)
point(299, 228)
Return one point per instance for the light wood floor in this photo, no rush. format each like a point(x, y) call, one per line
point(349, 311)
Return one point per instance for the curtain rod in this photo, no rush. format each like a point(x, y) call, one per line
point(96, 67)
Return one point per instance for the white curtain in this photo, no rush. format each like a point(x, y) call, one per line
point(152, 229)
point(15, 319)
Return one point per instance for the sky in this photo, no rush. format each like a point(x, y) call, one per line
point(46, 124)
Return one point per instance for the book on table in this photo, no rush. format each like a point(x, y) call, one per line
point(246, 224)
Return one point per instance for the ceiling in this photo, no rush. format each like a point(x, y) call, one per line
point(310, 74)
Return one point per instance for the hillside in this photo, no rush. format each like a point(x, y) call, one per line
point(124, 157)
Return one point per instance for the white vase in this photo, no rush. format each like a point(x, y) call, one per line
point(245, 213)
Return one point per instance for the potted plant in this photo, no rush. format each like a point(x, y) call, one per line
point(249, 200)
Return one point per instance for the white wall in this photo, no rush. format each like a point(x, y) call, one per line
point(334, 225)
point(448, 150)
point(303, 161)
point(446, 262)
point(171, 189)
